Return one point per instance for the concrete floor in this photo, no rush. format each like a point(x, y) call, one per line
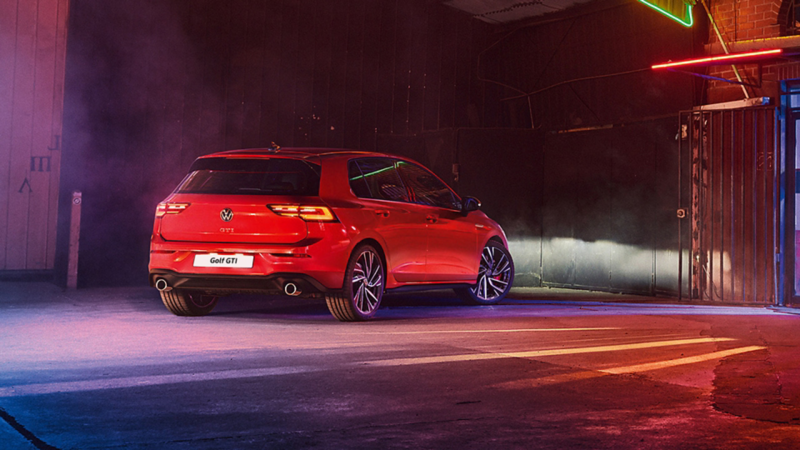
point(111, 368)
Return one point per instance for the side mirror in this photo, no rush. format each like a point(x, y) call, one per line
point(470, 204)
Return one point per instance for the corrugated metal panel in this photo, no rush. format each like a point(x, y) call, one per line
point(32, 54)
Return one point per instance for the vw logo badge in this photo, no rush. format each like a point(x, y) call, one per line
point(226, 215)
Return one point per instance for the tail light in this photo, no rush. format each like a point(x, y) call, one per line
point(170, 208)
point(308, 213)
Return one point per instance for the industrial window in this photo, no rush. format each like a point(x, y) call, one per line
point(789, 17)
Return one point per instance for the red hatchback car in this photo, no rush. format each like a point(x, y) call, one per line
point(339, 224)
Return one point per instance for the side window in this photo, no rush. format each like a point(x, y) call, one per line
point(357, 182)
point(381, 179)
point(428, 189)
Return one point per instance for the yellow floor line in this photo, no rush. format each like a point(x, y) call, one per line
point(539, 353)
point(681, 361)
point(520, 330)
point(588, 374)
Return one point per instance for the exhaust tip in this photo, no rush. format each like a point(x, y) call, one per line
point(291, 289)
point(162, 285)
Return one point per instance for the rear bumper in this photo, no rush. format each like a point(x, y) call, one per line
point(221, 284)
point(316, 267)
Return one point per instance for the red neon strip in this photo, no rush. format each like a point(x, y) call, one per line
point(718, 58)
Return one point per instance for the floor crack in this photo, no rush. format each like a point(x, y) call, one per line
point(38, 443)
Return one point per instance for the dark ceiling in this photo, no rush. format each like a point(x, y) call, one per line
point(505, 11)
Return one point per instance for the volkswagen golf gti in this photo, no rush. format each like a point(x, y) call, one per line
point(338, 224)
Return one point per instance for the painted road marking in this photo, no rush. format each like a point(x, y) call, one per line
point(539, 353)
point(519, 330)
point(681, 361)
point(588, 374)
point(153, 380)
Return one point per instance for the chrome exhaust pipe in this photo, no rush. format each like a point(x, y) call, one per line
point(291, 289)
point(162, 285)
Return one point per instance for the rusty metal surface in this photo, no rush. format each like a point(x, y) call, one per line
point(730, 191)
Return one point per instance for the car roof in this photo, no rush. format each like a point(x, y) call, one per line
point(293, 152)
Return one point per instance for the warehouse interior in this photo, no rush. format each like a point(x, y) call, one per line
point(549, 112)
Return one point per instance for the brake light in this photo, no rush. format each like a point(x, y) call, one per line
point(305, 212)
point(170, 208)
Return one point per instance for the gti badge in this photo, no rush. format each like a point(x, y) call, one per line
point(226, 215)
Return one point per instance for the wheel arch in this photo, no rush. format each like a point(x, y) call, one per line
point(375, 244)
point(381, 252)
point(496, 238)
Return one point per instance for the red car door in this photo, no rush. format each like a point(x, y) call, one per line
point(452, 254)
point(386, 207)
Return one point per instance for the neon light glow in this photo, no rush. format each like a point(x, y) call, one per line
point(366, 175)
point(712, 59)
point(684, 19)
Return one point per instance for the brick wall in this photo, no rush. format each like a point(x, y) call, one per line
point(747, 20)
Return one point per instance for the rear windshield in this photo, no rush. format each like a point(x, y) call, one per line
point(275, 176)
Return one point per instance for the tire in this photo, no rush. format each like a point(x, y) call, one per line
point(364, 282)
point(188, 303)
point(495, 276)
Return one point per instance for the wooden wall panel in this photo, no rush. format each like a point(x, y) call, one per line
point(41, 169)
point(32, 52)
point(56, 127)
point(8, 31)
point(22, 136)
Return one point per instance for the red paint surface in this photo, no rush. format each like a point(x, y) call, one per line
point(421, 243)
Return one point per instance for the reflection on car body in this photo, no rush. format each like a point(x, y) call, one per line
point(339, 224)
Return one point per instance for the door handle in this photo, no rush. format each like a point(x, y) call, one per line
point(432, 219)
point(382, 212)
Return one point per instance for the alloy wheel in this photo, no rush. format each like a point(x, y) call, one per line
point(367, 282)
point(494, 274)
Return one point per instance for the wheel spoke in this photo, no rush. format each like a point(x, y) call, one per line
point(376, 280)
point(501, 271)
point(375, 277)
point(374, 300)
point(487, 260)
point(367, 257)
point(358, 272)
point(367, 282)
point(496, 290)
point(493, 275)
point(359, 292)
point(496, 281)
point(366, 303)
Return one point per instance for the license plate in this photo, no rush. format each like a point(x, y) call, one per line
point(215, 260)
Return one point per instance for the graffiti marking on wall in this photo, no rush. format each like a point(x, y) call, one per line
point(43, 166)
point(25, 183)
